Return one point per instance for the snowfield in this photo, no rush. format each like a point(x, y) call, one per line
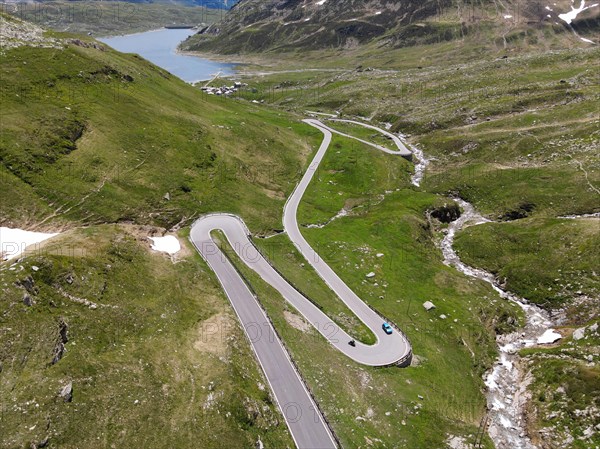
point(168, 244)
point(549, 337)
point(14, 241)
point(572, 15)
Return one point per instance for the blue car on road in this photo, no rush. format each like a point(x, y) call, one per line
point(387, 328)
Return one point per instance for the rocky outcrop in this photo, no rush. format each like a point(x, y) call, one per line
point(87, 44)
point(16, 33)
point(27, 299)
point(66, 392)
point(259, 25)
point(61, 341)
point(43, 443)
point(288, 25)
point(446, 213)
point(28, 284)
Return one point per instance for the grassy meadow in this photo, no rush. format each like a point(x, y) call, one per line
point(108, 149)
point(381, 406)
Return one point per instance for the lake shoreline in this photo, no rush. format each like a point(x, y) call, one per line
point(161, 47)
point(112, 36)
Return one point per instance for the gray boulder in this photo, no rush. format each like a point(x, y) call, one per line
point(67, 392)
point(428, 305)
point(579, 334)
point(27, 300)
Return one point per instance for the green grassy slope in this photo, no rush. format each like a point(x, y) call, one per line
point(91, 140)
point(513, 129)
point(381, 407)
point(159, 361)
point(91, 137)
point(547, 261)
point(517, 137)
point(349, 27)
point(94, 136)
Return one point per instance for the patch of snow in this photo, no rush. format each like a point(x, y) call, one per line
point(572, 15)
point(320, 3)
point(14, 241)
point(550, 336)
point(167, 244)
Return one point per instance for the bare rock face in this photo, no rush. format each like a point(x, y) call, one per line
point(27, 300)
point(61, 341)
point(66, 392)
point(29, 285)
point(16, 33)
point(447, 213)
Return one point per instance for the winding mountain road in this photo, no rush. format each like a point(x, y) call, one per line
point(402, 149)
point(307, 425)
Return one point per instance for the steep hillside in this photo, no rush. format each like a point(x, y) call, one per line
point(108, 18)
point(516, 134)
point(289, 25)
point(95, 136)
point(109, 150)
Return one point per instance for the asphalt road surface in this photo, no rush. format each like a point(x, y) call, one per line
point(307, 425)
